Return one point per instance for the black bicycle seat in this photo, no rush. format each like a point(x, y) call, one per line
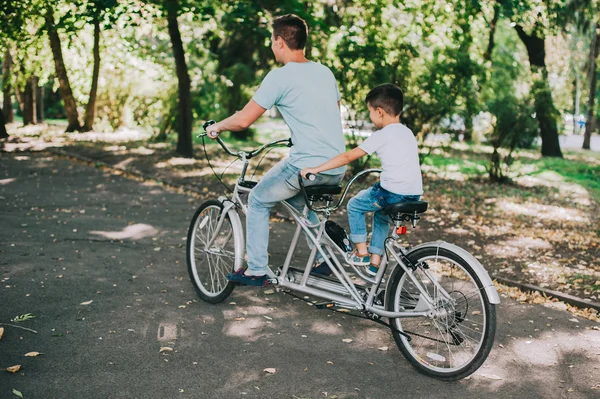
point(406, 207)
point(323, 190)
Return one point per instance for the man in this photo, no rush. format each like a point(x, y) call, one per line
point(307, 96)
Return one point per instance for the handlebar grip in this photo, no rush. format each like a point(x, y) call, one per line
point(311, 176)
point(207, 124)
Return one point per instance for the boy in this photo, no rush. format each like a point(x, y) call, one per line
point(400, 181)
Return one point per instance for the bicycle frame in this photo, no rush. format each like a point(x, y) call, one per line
point(343, 293)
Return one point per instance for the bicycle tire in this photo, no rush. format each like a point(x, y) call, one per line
point(467, 326)
point(208, 268)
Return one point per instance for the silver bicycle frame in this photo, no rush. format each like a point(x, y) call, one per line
point(343, 293)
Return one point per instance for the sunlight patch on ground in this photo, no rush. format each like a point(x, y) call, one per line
point(121, 135)
point(133, 232)
point(326, 327)
point(176, 162)
point(457, 231)
point(142, 151)
point(554, 180)
point(575, 357)
point(124, 163)
point(546, 212)
point(4, 182)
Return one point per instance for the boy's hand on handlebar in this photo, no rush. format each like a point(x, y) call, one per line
point(304, 172)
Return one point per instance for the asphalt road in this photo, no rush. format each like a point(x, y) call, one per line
point(99, 260)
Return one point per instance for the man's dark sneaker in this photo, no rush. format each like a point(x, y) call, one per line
point(240, 278)
point(322, 270)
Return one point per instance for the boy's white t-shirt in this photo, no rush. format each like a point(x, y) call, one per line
point(396, 146)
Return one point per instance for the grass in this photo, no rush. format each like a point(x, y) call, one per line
point(578, 167)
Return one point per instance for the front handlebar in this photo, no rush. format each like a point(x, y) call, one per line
point(244, 154)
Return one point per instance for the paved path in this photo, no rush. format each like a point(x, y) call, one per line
point(72, 234)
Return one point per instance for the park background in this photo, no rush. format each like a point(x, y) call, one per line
point(492, 89)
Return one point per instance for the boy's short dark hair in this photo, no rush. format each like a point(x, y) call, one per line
point(388, 97)
point(292, 29)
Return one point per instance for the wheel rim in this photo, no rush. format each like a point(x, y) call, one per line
point(452, 338)
point(210, 266)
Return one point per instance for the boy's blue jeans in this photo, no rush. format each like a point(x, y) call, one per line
point(280, 183)
point(372, 199)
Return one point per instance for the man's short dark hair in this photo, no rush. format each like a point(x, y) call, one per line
point(388, 97)
point(292, 29)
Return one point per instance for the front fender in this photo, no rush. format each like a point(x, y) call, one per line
point(238, 231)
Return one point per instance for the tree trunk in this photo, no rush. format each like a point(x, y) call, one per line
point(590, 124)
point(577, 91)
point(61, 73)
point(30, 102)
point(90, 111)
point(488, 53)
point(3, 132)
point(40, 104)
point(184, 137)
point(545, 112)
point(7, 108)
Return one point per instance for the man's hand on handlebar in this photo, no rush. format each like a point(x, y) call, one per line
point(309, 173)
point(213, 131)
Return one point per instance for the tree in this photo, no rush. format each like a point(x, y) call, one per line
point(546, 113)
point(100, 13)
point(590, 124)
point(3, 132)
point(61, 72)
point(521, 12)
point(184, 141)
point(7, 106)
point(584, 14)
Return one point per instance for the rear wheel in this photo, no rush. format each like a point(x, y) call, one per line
point(208, 265)
point(455, 341)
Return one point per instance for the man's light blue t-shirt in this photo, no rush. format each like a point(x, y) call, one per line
point(306, 94)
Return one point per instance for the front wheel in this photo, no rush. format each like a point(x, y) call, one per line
point(211, 253)
point(456, 339)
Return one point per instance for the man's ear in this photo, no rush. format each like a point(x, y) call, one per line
point(279, 41)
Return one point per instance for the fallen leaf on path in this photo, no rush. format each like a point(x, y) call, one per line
point(490, 376)
point(13, 369)
point(86, 302)
point(347, 340)
point(574, 320)
point(32, 354)
point(383, 348)
point(1, 332)
point(23, 317)
point(165, 349)
point(239, 319)
point(269, 292)
point(270, 370)
point(268, 318)
point(329, 362)
point(17, 393)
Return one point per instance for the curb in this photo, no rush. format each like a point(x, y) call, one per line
point(567, 298)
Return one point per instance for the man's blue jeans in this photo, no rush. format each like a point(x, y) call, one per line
point(280, 183)
point(373, 199)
